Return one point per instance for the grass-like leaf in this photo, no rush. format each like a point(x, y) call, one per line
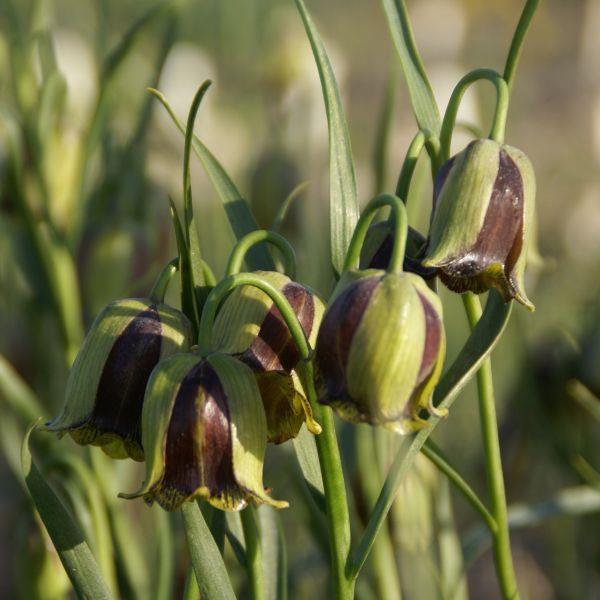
point(73, 550)
point(207, 561)
point(421, 95)
point(274, 554)
point(343, 200)
point(238, 212)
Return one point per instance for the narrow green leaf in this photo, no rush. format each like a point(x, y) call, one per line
point(273, 553)
point(286, 204)
point(235, 536)
point(308, 459)
point(73, 550)
point(343, 200)
point(238, 212)
point(421, 95)
point(209, 567)
point(382, 136)
point(188, 304)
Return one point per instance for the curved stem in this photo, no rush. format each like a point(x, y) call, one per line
point(159, 289)
point(327, 447)
point(236, 259)
point(360, 232)
point(516, 45)
point(209, 276)
point(254, 564)
point(432, 453)
point(336, 501)
point(502, 97)
point(226, 286)
point(423, 139)
point(493, 463)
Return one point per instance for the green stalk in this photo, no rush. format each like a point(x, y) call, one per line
point(238, 254)
point(362, 227)
point(159, 289)
point(517, 42)
point(336, 502)
point(502, 98)
point(422, 139)
point(254, 564)
point(493, 463)
point(433, 454)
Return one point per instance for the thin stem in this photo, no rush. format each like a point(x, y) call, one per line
point(360, 232)
point(336, 501)
point(159, 289)
point(423, 139)
point(493, 462)
point(254, 564)
point(502, 98)
point(226, 286)
point(512, 60)
point(238, 254)
point(433, 454)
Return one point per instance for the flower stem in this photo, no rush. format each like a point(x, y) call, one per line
point(493, 463)
point(159, 289)
point(502, 98)
point(517, 42)
point(423, 139)
point(254, 564)
point(327, 447)
point(362, 227)
point(236, 259)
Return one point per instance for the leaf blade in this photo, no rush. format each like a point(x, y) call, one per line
point(343, 199)
point(421, 94)
point(73, 550)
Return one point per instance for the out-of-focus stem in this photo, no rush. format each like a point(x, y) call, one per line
point(254, 564)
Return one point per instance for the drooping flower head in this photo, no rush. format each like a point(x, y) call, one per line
point(105, 388)
point(204, 434)
point(482, 219)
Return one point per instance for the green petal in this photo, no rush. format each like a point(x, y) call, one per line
point(240, 318)
point(386, 350)
point(248, 425)
point(462, 202)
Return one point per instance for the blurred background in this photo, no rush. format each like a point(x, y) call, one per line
point(88, 160)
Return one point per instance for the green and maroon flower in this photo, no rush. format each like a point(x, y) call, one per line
point(380, 349)
point(250, 327)
point(106, 384)
point(204, 434)
point(484, 201)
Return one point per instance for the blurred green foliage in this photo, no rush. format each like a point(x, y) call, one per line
point(88, 160)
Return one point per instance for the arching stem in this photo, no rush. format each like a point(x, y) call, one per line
point(159, 289)
point(423, 139)
point(336, 501)
point(362, 227)
point(238, 254)
point(498, 125)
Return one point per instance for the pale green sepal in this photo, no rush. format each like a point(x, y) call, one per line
point(386, 350)
point(516, 278)
point(240, 318)
point(247, 425)
point(462, 203)
point(350, 276)
point(161, 392)
point(176, 331)
point(87, 368)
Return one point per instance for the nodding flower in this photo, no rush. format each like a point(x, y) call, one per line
point(482, 219)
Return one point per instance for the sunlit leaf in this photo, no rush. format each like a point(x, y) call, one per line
point(343, 200)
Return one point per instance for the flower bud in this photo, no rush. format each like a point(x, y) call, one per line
point(380, 349)
point(204, 434)
point(482, 218)
point(105, 388)
point(250, 327)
